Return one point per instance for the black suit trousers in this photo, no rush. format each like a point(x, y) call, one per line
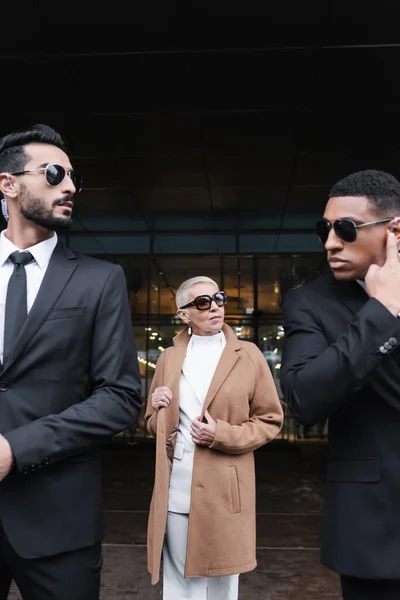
point(67, 576)
point(370, 589)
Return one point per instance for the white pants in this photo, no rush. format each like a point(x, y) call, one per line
point(175, 586)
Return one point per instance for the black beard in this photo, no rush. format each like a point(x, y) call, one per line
point(48, 221)
point(36, 213)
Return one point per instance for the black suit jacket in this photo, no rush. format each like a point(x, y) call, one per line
point(71, 381)
point(336, 365)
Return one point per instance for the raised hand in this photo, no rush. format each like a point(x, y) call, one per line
point(383, 283)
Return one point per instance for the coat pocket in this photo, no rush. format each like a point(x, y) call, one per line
point(235, 493)
point(67, 313)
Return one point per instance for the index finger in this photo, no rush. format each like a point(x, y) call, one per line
point(392, 248)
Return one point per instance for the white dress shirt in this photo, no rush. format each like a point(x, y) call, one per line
point(35, 272)
point(202, 357)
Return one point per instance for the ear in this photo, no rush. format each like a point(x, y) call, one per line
point(183, 315)
point(8, 186)
point(394, 226)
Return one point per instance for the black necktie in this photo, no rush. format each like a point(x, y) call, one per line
point(16, 301)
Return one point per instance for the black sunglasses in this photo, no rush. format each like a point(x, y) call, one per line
point(204, 302)
point(345, 229)
point(55, 174)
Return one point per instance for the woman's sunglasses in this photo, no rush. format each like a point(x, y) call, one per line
point(55, 174)
point(345, 229)
point(204, 302)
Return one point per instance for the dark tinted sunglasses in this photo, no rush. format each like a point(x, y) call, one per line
point(55, 174)
point(204, 302)
point(345, 229)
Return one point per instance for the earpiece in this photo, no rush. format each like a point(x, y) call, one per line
point(4, 209)
point(12, 187)
point(395, 222)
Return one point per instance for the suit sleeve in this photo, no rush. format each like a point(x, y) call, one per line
point(115, 383)
point(318, 377)
point(151, 414)
point(265, 416)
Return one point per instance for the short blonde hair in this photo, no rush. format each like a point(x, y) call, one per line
point(182, 294)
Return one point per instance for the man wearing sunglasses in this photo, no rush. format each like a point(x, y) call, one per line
point(68, 377)
point(341, 359)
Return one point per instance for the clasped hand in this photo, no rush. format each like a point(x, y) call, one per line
point(203, 433)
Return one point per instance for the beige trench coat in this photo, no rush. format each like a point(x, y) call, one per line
point(242, 398)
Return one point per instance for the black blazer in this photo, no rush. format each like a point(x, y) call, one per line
point(341, 359)
point(71, 381)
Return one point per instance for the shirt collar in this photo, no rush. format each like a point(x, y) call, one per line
point(41, 252)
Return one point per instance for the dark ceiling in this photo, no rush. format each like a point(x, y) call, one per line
point(198, 117)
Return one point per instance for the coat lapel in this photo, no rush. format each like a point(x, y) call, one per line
point(190, 383)
point(58, 273)
point(228, 359)
point(226, 363)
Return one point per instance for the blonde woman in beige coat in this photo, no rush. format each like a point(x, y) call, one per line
point(211, 404)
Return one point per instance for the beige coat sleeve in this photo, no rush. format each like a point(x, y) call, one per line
point(266, 415)
point(151, 415)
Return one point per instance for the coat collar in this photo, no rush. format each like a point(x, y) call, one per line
point(41, 252)
point(183, 338)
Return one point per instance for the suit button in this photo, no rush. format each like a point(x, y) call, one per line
point(3, 386)
point(393, 341)
point(388, 345)
point(382, 350)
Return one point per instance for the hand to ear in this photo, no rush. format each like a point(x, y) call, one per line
point(383, 283)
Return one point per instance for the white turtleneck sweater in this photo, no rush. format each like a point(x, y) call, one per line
point(202, 357)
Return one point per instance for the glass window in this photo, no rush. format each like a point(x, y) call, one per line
point(276, 275)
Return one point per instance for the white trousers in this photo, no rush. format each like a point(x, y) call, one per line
point(175, 586)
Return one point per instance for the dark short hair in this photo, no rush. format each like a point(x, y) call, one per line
point(381, 189)
point(13, 157)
